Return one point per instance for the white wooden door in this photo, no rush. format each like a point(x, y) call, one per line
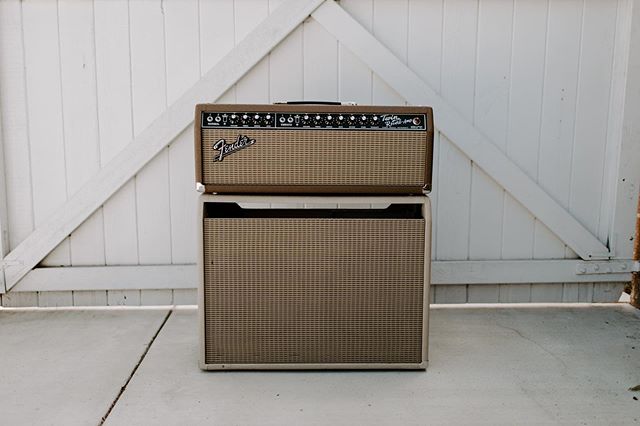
point(543, 81)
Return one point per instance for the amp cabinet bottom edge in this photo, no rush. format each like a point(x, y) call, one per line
point(330, 366)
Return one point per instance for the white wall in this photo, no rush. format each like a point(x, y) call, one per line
point(79, 79)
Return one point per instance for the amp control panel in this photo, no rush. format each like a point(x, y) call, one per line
point(314, 120)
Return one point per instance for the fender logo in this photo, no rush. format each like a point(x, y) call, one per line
point(225, 148)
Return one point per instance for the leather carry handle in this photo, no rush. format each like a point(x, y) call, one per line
point(314, 103)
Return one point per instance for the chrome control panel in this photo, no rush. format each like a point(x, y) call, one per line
point(314, 120)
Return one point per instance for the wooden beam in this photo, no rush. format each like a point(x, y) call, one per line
point(109, 278)
point(155, 138)
point(524, 271)
point(145, 277)
point(460, 131)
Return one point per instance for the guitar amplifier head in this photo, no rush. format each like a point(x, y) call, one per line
point(308, 148)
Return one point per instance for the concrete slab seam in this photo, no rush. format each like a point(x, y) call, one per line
point(135, 368)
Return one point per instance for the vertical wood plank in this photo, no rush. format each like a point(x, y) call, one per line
point(615, 117)
point(78, 76)
point(4, 226)
point(254, 86)
point(274, 4)
point(355, 78)
point(120, 224)
point(607, 292)
point(525, 106)
point(123, 297)
point(183, 199)
point(424, 57)
point(459, 54)
point(217, 37)
point(286, 69)
point(390, 19)
point(320, 63)
point(156, 297)
point(585, 292)
point(21, 299)
point(181, 40)
point(149, 90)
point(454, 179)
point(80, 120)
point(571, 292)
point(185, 297)
point(87, 242)
point(487, 210)
point(596, 60)
point(54, 299)
point(558, 112)
point(627, 164)
point(460, 22)
point(515, 293)
point(483, 293)
point(90, 298)
point(154, 210)
point(546, 293)
point(113, 70)
point(450, 294)
point(390, 22)
point(424, 43)
point(217, 31)
point(491, 117)
point(44, 108)
point(13, 115)
point(183, 70)
point(360, 10)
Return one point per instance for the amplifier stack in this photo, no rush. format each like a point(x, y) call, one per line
point(336, 284)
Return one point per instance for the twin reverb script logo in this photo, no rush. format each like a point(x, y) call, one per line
point(225, 148)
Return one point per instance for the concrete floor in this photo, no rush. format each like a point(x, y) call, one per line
point(488, 365)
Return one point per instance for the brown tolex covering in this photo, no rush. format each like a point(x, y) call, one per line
point(315, 160)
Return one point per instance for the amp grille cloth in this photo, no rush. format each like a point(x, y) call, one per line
point(313, 290)
point(323, 157)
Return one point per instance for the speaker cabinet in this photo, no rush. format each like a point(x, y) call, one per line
point(303, 149)
point(314, 288)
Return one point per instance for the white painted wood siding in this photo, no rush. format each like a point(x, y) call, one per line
point(80, 78)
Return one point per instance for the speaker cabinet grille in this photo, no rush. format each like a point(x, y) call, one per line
point(313, 291)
